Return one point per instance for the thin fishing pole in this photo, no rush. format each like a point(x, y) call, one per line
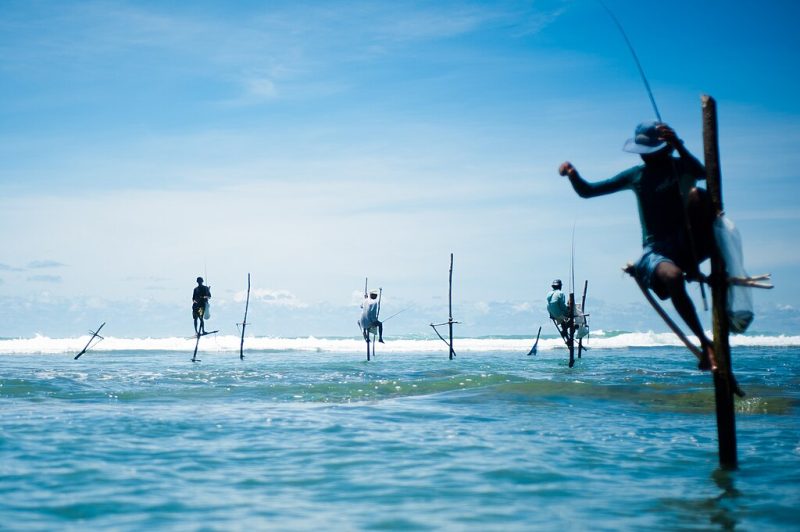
point(658, 115)
point(395, 314)
point(635, 58)
point(572, 262)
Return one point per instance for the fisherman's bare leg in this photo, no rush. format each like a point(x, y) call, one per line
point(671, 276)
point(380, 332)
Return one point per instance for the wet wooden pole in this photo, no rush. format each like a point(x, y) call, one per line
point(723, 377)
point(450, 308)
point(244, 321)
point(196, 345)
point(583, 311)
point(365, 332)
point(571, 329)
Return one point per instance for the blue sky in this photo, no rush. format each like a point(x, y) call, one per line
point(315, 143)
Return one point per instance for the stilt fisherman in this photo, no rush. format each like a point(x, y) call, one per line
point(558, 308)
point(676, 218)
point(369, 316)
point(200, 297)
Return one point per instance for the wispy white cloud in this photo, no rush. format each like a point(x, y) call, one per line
point(277, 298)
point(522, 307)
point(45, 278)
point(482, 307)
point(42, 264)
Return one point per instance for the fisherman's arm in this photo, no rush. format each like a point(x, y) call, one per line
point(589, 190)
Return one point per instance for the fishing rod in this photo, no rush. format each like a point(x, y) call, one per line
point(658, 116)
point(571, 326)
point(396, 313)
point(572, 262)
point(635, 58)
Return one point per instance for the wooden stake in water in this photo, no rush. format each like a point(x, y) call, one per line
point(244, 321)
point(450, 307)
point(449, 321)
point(196, 345)
point(724, 384)
point(365, 332)
point(583, 310)
point(536, 343)
point(95, 334)
point(571, 329)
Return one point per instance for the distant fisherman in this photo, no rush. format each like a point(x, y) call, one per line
point(369, 316)
point(666, 193)
point(200, 297)
point(557, 305)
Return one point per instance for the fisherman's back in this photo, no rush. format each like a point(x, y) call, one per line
point(557, 305)
point(369, 313)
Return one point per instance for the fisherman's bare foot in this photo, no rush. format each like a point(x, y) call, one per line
point(381, 340)
point(709, 360)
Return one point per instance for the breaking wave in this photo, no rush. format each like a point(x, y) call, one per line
point(229, 343)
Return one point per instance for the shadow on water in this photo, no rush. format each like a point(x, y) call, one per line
point(721, 511)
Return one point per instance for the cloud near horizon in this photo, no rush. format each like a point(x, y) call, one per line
point(45, 278)
point(278, 298)
point(46, 263)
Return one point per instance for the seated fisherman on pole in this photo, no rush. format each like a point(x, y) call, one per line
point(676, 218)
point(369, 317)
point(557, 307)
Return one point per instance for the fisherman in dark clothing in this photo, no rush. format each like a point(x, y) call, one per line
point(200, 297)
point(676, 218)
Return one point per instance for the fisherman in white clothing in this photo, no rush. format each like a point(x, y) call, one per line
point(369, 316)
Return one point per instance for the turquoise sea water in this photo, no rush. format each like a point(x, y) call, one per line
point(290, 440)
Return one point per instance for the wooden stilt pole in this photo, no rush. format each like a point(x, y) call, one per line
point(583, 310)
point(450, 307)
point(244, 321)
point(723, 378)
point(196, 344)
point(366, 302)
point(571, 329)
point(449, 321)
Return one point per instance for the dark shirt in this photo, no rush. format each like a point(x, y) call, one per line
point(200, 295)
point(660, 189)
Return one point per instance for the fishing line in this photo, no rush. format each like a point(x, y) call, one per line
point(572, 263)
point(658, 115)
point(635, 58)
point(396, 313)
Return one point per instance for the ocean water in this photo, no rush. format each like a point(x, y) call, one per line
point(304, 434)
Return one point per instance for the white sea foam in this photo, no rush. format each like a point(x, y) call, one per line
point(229, 343)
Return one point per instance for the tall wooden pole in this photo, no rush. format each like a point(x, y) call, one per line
point(723, 377)
point(583, 310)
point(366, 302)
point(196, 344)
point(450, 307)
point(244, 322)
point(571, 329)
